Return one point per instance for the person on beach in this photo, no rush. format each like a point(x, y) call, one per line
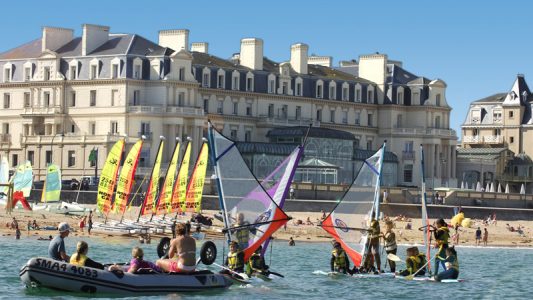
point(256, 264)
point(90, 222)
point(390, 243)
point(56, 249)
point(34, 225)
point(17, 233)
point(339, 260)
point(442, 235)
point(414, 263)
point(291, 242)
point(235, 259)
point(14, 223)
point(478, 236)
point(29, 227)
point(82, 223)
point(182, 253)
point(80, 257)
point(453, 271)
point(173, 229)
point(485, 237)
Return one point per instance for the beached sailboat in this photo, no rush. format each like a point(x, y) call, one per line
point(126, 177)
point(23, 178)
point(108, 178)
point(250, 215)
point(349, 221)
point(149, 203)
point(52, 184)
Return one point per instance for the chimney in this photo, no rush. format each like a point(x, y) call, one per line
point(299, 57)
point(175, 39)
point(53, 38)
point(373, 67)
point(200, 47)
point(93, 37)
point(320, 60)
point(251, 55)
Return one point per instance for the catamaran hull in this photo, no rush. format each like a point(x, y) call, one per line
point(49, 273)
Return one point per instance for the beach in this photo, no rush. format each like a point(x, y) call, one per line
point(499, 234)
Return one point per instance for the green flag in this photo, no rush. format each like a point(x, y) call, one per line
point(92, 156)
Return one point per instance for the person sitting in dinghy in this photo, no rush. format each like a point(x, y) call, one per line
point(339, 260)
point(256, 263)
point(80, 257)
point(56, 249)
point(413, 262)
point(453, 271)
point(235, 259)
point(137, 262)
point(182, 253)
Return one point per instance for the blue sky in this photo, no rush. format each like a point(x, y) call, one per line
point(476, 47)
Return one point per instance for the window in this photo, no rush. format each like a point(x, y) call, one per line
point(136, 97)
point(31, 156)
point(233, 134)
point(46, 73)
point(319, 92)
point(285, 88)
point(345, 117)
point(416, 98)
point(92, 128)
point(409, 146)
point(437, 122)
point(235, 108)
point(511, 139)
point(271, 86)
point(284, 110)
point(437, 100)
point(181, 99)
point(248, 109)
point(137, 72)
point(271, 110)
point(27, 100)
point(408, 173)
point(205, 79)
point(206, 105)
point(72, 128)
point(73, 73)
point(46, 100)
point(332, 92)
point(345, 94)
point(114, 97)
point(27, 74)
point(332, 116)
point(220, 81)
point(475, 132)
point(94, 72)
point(145, 129)
point(15, 160)
point(511, 114)
point(369, 145)
point(399, 121)
point(7, 75)
point(5, 128)
point(235, 82)
point(71, 158)
point(93, 98)
point(497, 116)
point(181, 74)
point(298, 89)
point(319, 115)
point(370, 120)
point(114, 127)
point(356, 143)
point(370, 96)
point(220, 107)
point(72, 99)
point(7, 100)
point(400, 98)
point(248, 136)
point(497, 132)
point(48, 157)
point(357, 95)
point(357, 118)
point(114, 73)
point(298, 112)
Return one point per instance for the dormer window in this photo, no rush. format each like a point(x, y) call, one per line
point(437, 100)
point(358, 93)
point(206, 75)
point(114, 71)
point(370, 96)
point(220, 79)
point(271, 84)
point(332, 91)
point(73, 72)
point(235, 77)
point(298, 86)
point(46, 73)
point(7, 74)
point(319, 89)
point(181, 74)
point(249, 82)
point(345, 92)
point(94, 69)
point(400, 97)
point(28, 67)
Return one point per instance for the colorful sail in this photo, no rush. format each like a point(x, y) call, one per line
point(23, 179)
point(4, 174)
point(350, 219)
point(125, 179)
point(153, 185)
point(108, 177)
point(247, 208)
point(426, 226)
point(196, 183)
point(166, 191)
point(52, 184)
point(179, 192)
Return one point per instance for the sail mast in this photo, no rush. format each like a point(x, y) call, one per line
point(425, 221)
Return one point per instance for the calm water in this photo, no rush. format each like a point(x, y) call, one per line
point(489, 274)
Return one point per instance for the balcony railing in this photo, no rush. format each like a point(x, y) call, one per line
point(286, 121)
point(477, 139)
point(408, 155)
point(424, 131)
point(513, 178)
point(180, 110)
point(41, 110)
point(67, 138)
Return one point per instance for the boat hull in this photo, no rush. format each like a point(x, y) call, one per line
point(49, 273)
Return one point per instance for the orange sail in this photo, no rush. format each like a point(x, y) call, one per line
point(125, 180)
point(196, 183)
point(180, 186)
point(106, 185)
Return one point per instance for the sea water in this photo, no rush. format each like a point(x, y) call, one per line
point(489, 273)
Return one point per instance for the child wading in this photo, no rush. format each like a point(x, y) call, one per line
point(390, 244)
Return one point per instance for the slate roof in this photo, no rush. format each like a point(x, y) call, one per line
point(29, 50)
point(317, 132)
point(499, 97)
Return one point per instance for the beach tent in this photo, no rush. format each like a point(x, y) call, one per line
point(499, 188)
point(478, 187)
point(507, 188)
point(462, 185)
point(523, 189)
point(487, 187)
point(492, 190)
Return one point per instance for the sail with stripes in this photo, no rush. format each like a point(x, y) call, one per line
point(250, 214)
point(179, 192)
point(195, 188)
point(108, 177)
point(426, 226)
point(52, 184)
point(165, 196)
point(350, 219)
point(23, 179)
point(126, 177)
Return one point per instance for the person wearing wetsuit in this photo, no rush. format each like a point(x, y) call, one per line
point(256, 263)
point(442, 235)
point(235, 259)
point(453, 271)
point(339, 260)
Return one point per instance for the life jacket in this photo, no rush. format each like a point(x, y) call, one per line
point(235, 261)
point(242, 235)
point(374, 231)
point(390, 242)
point(340, 258)
point(413, 263)
point(454, 261)
point(255, 263)
point(78, 262)
point(442, 238)
point(423, 262)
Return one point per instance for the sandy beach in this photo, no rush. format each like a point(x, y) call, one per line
point(499, 235)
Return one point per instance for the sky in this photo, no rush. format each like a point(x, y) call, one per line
point(476, 47)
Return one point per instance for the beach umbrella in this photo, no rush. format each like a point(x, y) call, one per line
point(492, 190)
point(462, 185)
point(487, 187)
point(499, 188)
point(478, 187)
point(507, 188)
point(523, 189)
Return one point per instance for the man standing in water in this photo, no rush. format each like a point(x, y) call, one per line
point(374, 233)
point(56, 249)
point(182, 253)
point(242, 234)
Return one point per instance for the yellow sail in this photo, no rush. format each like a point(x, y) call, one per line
point(108, 177)
point(165, 196)
point(52, 184)
point(125, 180)
point(180, 187)
point(196, 184)
point(150, 201)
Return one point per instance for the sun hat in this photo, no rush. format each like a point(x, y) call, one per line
point(63, 227)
